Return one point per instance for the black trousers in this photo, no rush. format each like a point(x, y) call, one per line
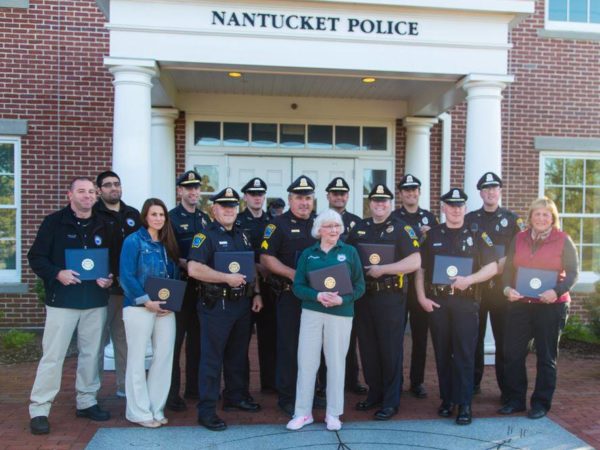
point(288, 329)
point(419, 327)
point(224, 341)
point(187, 327)
point(543, 323)
point(266, 335)
point(494, 303)
point(454, 329)
point(352, 359)
point(380, 331)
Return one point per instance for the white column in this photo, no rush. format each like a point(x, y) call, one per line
point(132, 126)
point(417, 158)
point(483, 148)
point(163, 155)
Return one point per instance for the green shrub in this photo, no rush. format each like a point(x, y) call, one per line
point(16, 339)
point(592, 305)
point(576, 330)
point(38, 289)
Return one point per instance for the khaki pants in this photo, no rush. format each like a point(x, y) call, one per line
point(332, 334)
point(146, 397)
point(115, 331)
point(58, 331)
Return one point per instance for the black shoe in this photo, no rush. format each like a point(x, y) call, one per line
point(446, 409)
point(39, 425)
point(212, 422)
point(385, 413)
point(510, 409)
point(366, 405)
point(287, 408)
point(477, 389)
point(464, 416)
point(94, 413)
point(176, 403)
point(418, 391)
point(191, 395)
point(537, 412)
point(243, 405)
point(357, 388)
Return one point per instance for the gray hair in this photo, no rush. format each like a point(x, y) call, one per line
point(328, 215)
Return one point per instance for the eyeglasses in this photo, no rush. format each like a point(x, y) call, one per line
point(332, 227)
point(110, 184)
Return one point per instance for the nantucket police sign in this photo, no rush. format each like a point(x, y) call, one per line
point(313, 23)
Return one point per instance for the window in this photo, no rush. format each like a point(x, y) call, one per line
point(573, 182)
point(10, 203)
point(210, 184)
point(573, 15)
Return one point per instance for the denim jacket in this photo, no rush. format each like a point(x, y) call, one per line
point(141, 258)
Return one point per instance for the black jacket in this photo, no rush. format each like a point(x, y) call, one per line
point(59, 231)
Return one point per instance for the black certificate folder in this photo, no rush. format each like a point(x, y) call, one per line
point(89, 263)
point(236, 262)
point(445, 267)
point(331, 279)
point(376, 254)
point(166, 290)
point(532, 282)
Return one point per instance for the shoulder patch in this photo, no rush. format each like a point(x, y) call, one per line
point(198, 240)
point(487, 239)
point(410, 232)
point(521, 224)
point(269, 230)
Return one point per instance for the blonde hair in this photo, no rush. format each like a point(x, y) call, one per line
point(544, 202)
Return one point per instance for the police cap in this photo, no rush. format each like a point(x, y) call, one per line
point(455, 197)
point(191, 178)
point(409, 181)
point(380, 192)
point(489, 179)
point(302, 185)
point(338, 184)
point(255, 185)
point(227, 197)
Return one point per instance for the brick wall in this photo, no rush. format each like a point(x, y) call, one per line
point(51, 74)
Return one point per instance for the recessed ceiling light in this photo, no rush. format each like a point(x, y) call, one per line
point(369, 80)
point(235, 75)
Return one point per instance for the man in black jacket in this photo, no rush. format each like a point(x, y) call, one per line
point(122, 221)
point(71, 304)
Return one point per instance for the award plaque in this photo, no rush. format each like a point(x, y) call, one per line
point(89, 263)
point(236, 262)
point(166, 290)
point(331, 279)
point(445, 267)
point(376, 254)
point(532, 282)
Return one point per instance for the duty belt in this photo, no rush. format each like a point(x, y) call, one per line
point(393, 284)
point(227, 293)
point(439, 290)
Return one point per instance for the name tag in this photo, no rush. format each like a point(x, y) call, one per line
point(295, 230)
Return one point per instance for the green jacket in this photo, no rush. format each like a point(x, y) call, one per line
point(314, 258)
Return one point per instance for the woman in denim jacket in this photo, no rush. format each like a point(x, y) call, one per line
point(149, 252)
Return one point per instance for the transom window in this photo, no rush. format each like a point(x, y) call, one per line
point(290, 136)
point(573, 182)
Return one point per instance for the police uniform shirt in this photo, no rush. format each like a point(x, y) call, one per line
point(186, 225)
point(463, 242)
point(501, 225)
point(350, 220)
point(286, 237)
point(421, 217)
point(215, 238)
point(392, 231)
point(254, 227)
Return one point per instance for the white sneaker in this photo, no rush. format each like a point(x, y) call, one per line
point(298, 422)
point(121, 394)
point(333, 423)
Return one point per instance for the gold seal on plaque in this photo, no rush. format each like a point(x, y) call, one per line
point(87, 264)
point(374, 258)
point(329, 282)
point(234, 267)
point(452, 271)
point(164, 294)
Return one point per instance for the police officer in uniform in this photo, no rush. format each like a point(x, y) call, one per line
point(224, 312)
point(284, 240)
point(380, 313)
point(253, 221)
point(421, 220)
point(187, 220)
point(501, 225)
point(454, 308)
point(338, 193)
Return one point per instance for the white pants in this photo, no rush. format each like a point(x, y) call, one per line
point(115, 329)
point(332, 334)
point(58, 332)
point(146, 398)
